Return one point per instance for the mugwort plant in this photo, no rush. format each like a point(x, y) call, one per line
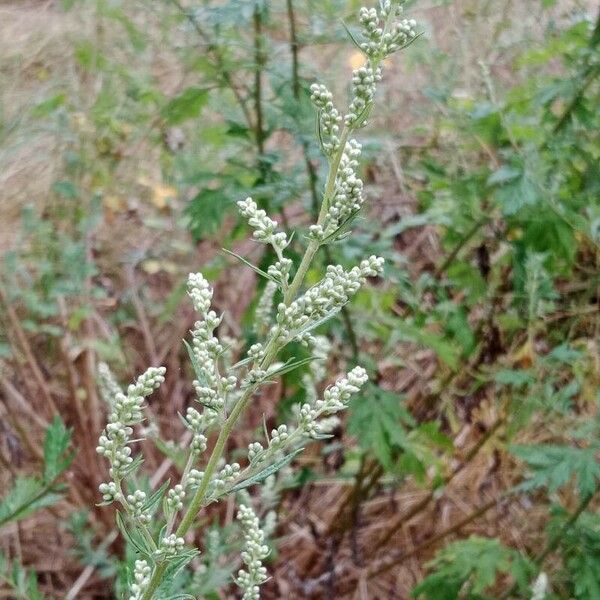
point(156, 524)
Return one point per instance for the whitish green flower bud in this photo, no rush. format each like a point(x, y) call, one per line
point(335, 398)
point(255, 551)
point(109, 491)
point(255, 449)
point(265, 229)
point(329, 118)
point(327, 297)
point(175, 497)
point(278, 436)
point(364, 81)
point(256, 352)
point(136, 501)
point(194, 478)
point(208, 397)
point(229, 473)
point(169, 546)
point(141, 579)
point(347, 196)
point(280, 270)
point(200, 292)
point(198, 444)
point(127, 410)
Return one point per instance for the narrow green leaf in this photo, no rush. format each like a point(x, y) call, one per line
point(266, 472)
point(154, 499)
point(249, 264)
point(290, 365)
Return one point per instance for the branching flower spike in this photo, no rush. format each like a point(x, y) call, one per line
point(156, 524)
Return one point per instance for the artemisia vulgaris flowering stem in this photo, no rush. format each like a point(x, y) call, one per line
point(271, 352)
point(336, 204)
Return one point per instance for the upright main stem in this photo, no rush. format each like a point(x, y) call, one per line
point(313, 245)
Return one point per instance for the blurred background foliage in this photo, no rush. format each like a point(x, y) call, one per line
point(127, 132)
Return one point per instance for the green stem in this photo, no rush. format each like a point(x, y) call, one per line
point(212, 49)
point(313, 245)
point(310, 169)
point(213, 461)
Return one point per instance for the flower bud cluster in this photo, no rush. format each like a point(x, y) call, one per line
point(227, 474)
point(330, 119)
point(256, 352)
point(255, 451)
point(264, 227)
point(126, 411)
point(280, 271)
point(137, 502)
point(141, 579)
point(347, 195)
point(199, 443)
point(194, 478)
point(207, 349)
point(255, 551)
point(200, 292)
point(380, 43)
point(327, 424)
point(211, 388)
point(110, 492)
point(364, 82)
point(401, 34)
point(198, 423)
point(253, 376)
point(169, 546)
point(278, 437)
point(175, 497)
point(335, 399)
point(328, 296)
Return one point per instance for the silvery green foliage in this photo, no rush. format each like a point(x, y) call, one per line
point(156, 523)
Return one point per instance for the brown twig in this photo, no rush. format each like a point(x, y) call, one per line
point(403, 519)
point(30, 357)
point(392, 560)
